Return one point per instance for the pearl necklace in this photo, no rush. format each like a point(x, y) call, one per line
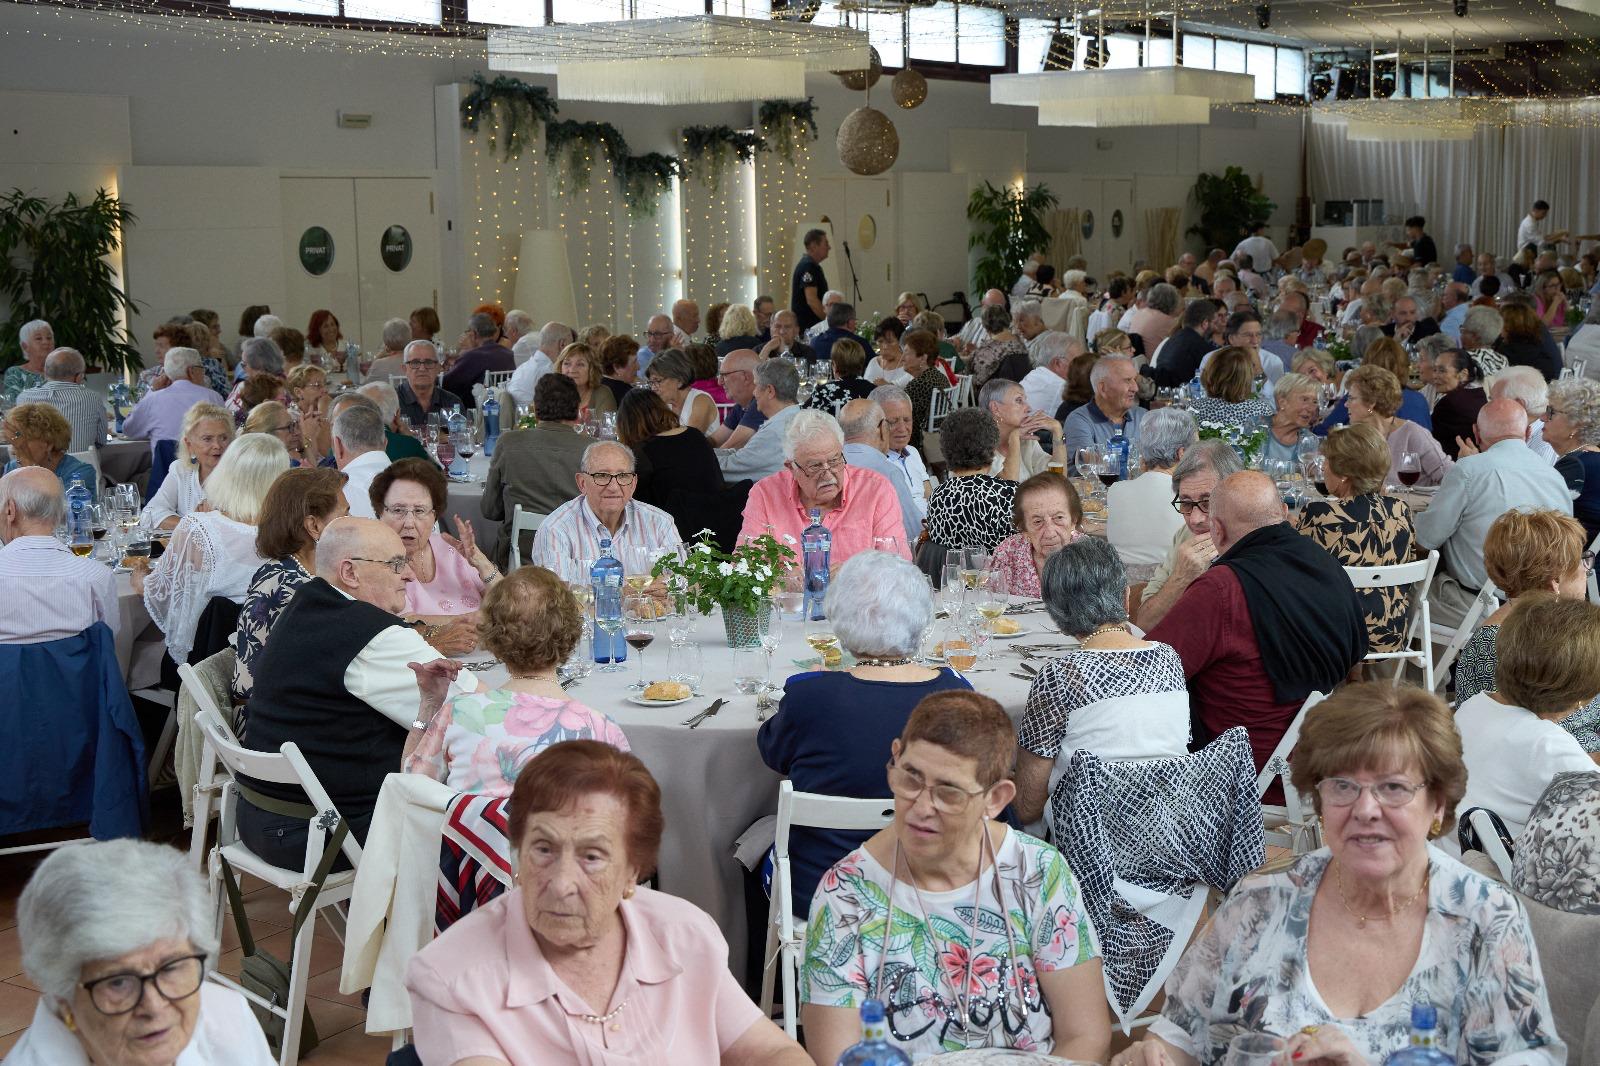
point(1114, 627)
point(902, 661)
point(601, 1019)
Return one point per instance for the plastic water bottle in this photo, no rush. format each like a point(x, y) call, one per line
point(491, 424)
point(80, 522)
point(874, 1048)
point(457, 429)
point(1424, 1049)
point(816, 543)
point(605, 577)
point(1197, 391)
point(1117, 449)
point(119, 399)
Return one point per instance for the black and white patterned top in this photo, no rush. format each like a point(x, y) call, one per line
point(1475, 674)
point(1256, 411)
point(971, 512)
point(832, 395)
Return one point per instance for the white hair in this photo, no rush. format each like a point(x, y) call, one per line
point(807, 424)
point(1073, 278)
point(384, 395)
point(863, 423)
point(359, 427)
point(520, 321)
point(1031, 308)
point(554, 337)
point(261, 355)
point(45, 503)
point(266, 324)
point(832, 296)
point(1053, 344)
point(239, 484)
point(176, 363)
point(601, 445)
point(1102, 367)
point(26, 333)
point(63, 363)
point(879, 605)
point(433, 349)
point(1164, 433)
point(396, 332)
point(1525, 385)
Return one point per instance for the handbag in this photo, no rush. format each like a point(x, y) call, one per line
point(262, 973)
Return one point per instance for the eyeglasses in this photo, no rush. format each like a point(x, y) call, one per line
point(421, 364)
point(1588, 562)
point(1343, 792)
point(658, 333)
point(400, 514)
point(120, 993)
point(947, 799)
point(726, 374)
point(397, 564)
point(816, 468)
point(1183, 506)
point(604, 478)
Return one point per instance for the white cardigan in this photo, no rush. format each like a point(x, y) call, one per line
point(225, 1034)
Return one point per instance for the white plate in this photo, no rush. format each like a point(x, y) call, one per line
point(642, 702)
point(1023, 632)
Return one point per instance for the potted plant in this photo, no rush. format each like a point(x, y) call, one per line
point(1229, 205)
point(1008, 225)
point(735, 581)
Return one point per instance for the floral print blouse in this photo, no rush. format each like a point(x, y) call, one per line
point(270, 592)
point(1013, 557)
point(1368, 530)
point(1478, 966)
point(930, 958)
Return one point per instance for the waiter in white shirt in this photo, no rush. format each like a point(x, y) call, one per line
point(1532, 229)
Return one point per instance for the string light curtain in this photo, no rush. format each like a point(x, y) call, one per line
point(649, 265)
point(783, 202)
point(502, 200)
point(719, 240)
point(587, 218)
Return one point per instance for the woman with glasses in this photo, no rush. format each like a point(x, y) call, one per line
point(410, 497)
point(671, 376)
point(1330, 954)
point(1572, 428)
point(308, 388)
point(971, 933)
point(117, 936)
point(275, 420)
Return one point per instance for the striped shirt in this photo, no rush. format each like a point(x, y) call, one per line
point(85, 411)
point(571, 536)
point(47, 593)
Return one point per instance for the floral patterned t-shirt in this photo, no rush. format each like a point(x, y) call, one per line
point(1478, 966)
point(928, 960)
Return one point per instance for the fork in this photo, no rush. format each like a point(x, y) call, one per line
point(695, 721)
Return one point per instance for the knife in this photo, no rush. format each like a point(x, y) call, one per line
point(694, 723)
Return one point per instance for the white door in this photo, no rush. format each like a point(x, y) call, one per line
point(397, 253)
point(320, 253)
point(870, 232)
point(1117, 249)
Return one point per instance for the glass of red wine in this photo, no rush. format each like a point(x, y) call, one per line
point(1314, 467)
point(1409, 468)
point(639, 614)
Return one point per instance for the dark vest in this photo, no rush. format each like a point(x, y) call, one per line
point(300, 696)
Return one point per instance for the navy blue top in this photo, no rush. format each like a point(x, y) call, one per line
point(1582, 473)
point(1413, 408)
point(831, 735)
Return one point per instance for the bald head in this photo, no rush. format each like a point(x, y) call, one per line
point(32, 503)
point(344, 559)
point(1502, 419)
point(64, 364)
point(994, 298)
point(1241, 504)
point(862, 422)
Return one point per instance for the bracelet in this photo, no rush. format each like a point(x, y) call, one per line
point(419, 724)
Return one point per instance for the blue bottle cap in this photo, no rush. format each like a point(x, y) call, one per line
point(1423, 1016)
point(872, 1011)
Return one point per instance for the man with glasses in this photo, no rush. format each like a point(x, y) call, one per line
point(536, 467)
point(859, 506)
point(605, 506)
point(420, 393)
point(898, 423)
point(658, 337)
point(777, 389)
point(337, 680)
point(738, 380)
point(359, 450)
point(1203, 465)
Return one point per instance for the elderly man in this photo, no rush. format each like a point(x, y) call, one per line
point(257, 356)
point(764, 307)
point(398, 445)
point(866, 445)
point(1271, 621)
point(685, 322)
point(1527, 387)
point(1027, 320)
point(519, 324)
point(658, 337)
point(1030, 275)
point(1410, 323)
point(474, 363)
point(1196, 476)
point(38, 341)
point(841, 326)
point(818, 328)
point(159, 416)
point(1153, 322)
point(46, 592)
point(1462, 271)
point(537, 355)
point(1115, 406)
point(536, 467)
point(64, 390)
point(604, 507)
point(777, 389)
point(973, 334)
point(1297, 303)
point(347, 680)
point(1021, 455)
point(1455, 302)
point(1208, 269)
point(897, 422)
point(1504, 476)
point(358, 450)
point(391, 361)
point(808, 283)
point(420, 393)
point(859, 506)
point(785, 342)
point(1052, 355)
point(1481, 328)
point(738, 380)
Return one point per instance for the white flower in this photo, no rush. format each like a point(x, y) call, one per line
point(743, 566)
point(705, 533)
point(725, 569)
point(764, 571)
point(703, 548)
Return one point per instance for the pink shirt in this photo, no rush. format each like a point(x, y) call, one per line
point(868, 508)
point(1013, 558)
point(456, 587)
point(485, 989)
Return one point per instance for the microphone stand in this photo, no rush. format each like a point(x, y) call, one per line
point(854, 283)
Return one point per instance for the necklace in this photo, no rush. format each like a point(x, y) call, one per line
point(1113, 627)
point(552, 678)
point(1338, 873)
point(601, 1019)
point(902, 661)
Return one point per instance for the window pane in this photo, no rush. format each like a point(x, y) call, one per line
point(659, 9)
point(571, 11)
point(1124, 51)
point(423, 11)
point(1291, 72)
point(746, 9)
point(1033, 37)
point(1230, 56)
point(304, 7)
point(983, 36)
point(1263, 67)
point(1158, 53)
point(506, 12)
point(887, 33)
point(1197, 51)
point(933, 32)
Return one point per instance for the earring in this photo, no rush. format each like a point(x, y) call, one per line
point(68, 1020)
point(628, 892)
point(1438, 826)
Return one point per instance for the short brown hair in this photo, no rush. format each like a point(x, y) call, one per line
point(1391, 355)
point(586, 353)
point(259, 389)
point(923, 342)
point(616, 351)
point(702, 361)
point(176, 334)
point(968, 724)
point(1038, 484)
point(427, 318)
point(1078, 388)
point(1520, 322)
point(423, 472)
point(1378, 387)
point(291, 342)
point(1525, 551)
point(298, 494)
point(1368, 727)
point(561, 773)
point(1547, 654)
point(530, 620)
point(849, 359)
point(1359, 453)
point(642, 415)
point(42, 422)
point(1229, 375)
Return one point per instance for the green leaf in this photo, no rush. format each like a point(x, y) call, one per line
point(949, 930)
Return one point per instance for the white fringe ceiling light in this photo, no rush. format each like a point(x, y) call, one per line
point(696, 59)
point(1131, 96)
point(1404, 120)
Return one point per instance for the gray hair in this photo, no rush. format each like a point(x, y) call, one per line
point(1364, 338)
point(1164, 298)
point(887, 393)
point(384, 395)
point(995, 390)
point(176, 363)
point(995, 318)
point(483, 325)
point(265, 325)
point(396, 332)
point(520, 321)
point(1580, 398)
point(1164, 433)
point(359, 427)
point(968, 436)
point(1290, 385)
point(1281, 325)
point(1463, 246)
point(1206, 457)
point(1052, 345)
point(555, 336)
point(1102, 367)
point(46, 503)
point(1525, 385)
point(433, 349)
point(864, 421)
point(1430, 346)
point(1484, 323)
point(932, 321)
point(63, 363)
point(807, 424)
point(1084, 586)
point(1073, 278)
point(104, 900)
point(1424, 301)
point(879, 605)
point(26, 333)
point(1030, 308)
point(781, 377)
point(832, 296)
point(601, 445)
point(840, 314)
point(261, 355)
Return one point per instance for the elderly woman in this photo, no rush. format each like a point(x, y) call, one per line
point(275, 420)
point(1529, 551)
point(1140, 521)
point(1572, 428)
point(889, 365)
point(1289, 433)
point(834, 728)
point(619, 366)
point(261, 358)
point(39, 435)
point(1372, 398)
point(849, 361)
point(907, 307)
point(117, 935)
point(1458, 380)
point(38, 341)
point(213, 551)
point(207, 432)
point(625, 973)
point(671, 376)
point(1112, 341)
point(972, 508)
point(738, 331)
point(579, 363)
point(1360, 526)
point(1386, 352)
point(1228, 376)
point(1046, 513)
point(1024, 975)
point(1316, 365)
point(299, 506)
point(479, 741)
point(1114, 694)
point(678, 470)
point(451, 573)
point(986, 358)
point(1512, 740)
point(1333, 952)
point(308, 391)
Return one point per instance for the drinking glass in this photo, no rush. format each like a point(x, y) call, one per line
point(611, 627)
point(100, 522)
point(1254, 1049)
point(958, 649)
point(820, 635)
point(990, 598)
point(1314, 468)
point(791, 594)
point(974, 564)
point(1409, 467)
point(886, 544)
point(769, 622)
point(467, 443)
point(686, 663)
point(639, 616)
point(747, 670)
point(637, 563)
point(1091, 463)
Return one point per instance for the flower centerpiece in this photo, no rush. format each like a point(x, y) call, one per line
point(1248, 443)
point(1338, 348)
point(735, 581)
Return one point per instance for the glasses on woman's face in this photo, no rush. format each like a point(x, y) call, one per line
point(400, 514)
point(947, 799)
point(1343, 792)
point(119, 993)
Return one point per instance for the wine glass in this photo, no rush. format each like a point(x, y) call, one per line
point(769, 622)
point(747, 670)
point(1091, 463)
point(639, 618)
point(886, 544)
point(990, 597)
point(974, 564)
point(467, 443)
point(820, 635)
point(1314, 467)
point(638, 562)
point(1254, 1049)
point(100, 521)
point(1409, 467)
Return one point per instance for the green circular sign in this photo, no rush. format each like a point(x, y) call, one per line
point(316, 251)
point(396, 248)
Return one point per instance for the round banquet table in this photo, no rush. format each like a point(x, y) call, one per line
point(139, 643)
point(466, 501)
point(121, 461)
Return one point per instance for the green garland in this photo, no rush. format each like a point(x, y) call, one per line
point(641, 179)
point(788, 124)
point(574, 147)
point(709, 151)
point(521, 108)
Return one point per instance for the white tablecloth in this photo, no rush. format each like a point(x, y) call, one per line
point(139, 642)
point(466, 500)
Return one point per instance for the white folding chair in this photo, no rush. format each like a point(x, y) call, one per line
point(495, 379)
point(1489, 840)
point(209, 783)
point(1286, 825)
point(1594, 586)
point(1417, 646)
point(1487, 603)
point(287, 767)
point(939, 405)
point(786, 935)
point(522, 522)
point(964, 395)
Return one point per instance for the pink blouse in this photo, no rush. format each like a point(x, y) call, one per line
point(1013, 558)
point(485, 989)
point(456, 587)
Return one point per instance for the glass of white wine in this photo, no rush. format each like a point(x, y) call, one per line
point(990, 599)
point(974, 564)
point(820, 635)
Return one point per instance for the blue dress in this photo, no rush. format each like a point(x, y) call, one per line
point(66, 469)
point(1582, 473)
point(1413, 408)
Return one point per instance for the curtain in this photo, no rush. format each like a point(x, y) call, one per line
point(1161, 234)
point(1066, 234)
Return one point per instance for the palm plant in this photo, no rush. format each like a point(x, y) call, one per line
point(1229, 205)
point(1008, 225)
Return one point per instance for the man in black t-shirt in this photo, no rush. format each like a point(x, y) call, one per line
point(805, 295)
point(1420, 246)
